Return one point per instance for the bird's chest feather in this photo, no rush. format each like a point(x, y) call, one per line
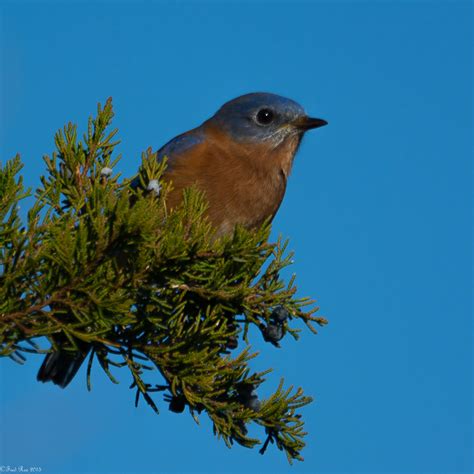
point(243, 184)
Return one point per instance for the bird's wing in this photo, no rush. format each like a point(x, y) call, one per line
point(180, 145)
point(176, 148)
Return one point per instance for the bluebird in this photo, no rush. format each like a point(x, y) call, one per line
point(241, 159)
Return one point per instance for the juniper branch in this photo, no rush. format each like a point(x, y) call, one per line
point(104, 267)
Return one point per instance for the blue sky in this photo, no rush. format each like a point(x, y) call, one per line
point(378, 211)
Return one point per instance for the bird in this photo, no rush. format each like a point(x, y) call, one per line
point(241, 159)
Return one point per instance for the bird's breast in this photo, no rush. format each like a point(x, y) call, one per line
point(243, 184)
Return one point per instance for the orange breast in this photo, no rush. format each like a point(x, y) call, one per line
point(243, 183)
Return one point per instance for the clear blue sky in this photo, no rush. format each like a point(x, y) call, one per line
point(378, 211)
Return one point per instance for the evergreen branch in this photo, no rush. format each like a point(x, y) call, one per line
point(102, 267)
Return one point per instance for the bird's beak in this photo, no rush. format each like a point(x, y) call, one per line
point(307, 123)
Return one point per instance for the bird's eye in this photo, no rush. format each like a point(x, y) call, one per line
point(264, 116)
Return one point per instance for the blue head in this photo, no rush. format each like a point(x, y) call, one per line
point(262, 116)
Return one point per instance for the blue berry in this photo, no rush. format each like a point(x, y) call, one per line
point(273, 333)
point(279, 315)
point(232, 342)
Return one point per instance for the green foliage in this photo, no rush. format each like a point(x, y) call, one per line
point(104, 265)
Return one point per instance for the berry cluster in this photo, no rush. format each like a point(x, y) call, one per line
point(275, 329)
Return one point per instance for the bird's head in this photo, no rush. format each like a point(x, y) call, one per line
point(264, 117)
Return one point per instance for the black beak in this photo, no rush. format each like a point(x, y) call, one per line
point(307, 123)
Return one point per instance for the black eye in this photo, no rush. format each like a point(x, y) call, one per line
point(265, 116)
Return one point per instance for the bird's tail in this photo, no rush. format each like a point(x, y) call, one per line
point(60, 367)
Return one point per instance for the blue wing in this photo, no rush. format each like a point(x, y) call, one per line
point(181, 144)
point(176, 147)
